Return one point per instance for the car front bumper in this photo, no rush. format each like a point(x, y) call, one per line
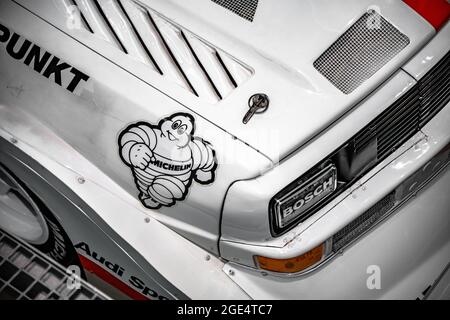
point(408, 251)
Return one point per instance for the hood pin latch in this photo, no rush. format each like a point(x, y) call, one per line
point(258, 103)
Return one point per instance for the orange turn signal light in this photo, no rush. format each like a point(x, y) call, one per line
point(292, 265)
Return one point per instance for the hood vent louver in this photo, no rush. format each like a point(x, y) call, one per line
point(168, 49)
point(369, 44)
point(244, 8)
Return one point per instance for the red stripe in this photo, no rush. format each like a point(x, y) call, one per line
point(436, 12)
point(109, 278)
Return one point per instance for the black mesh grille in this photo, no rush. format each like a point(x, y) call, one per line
point(434, 89)
point(406, 116)
point(243, 8)
point(360, 52)
point(387, 132)
point(394, 126)
point(391, 129)
point(363, 223)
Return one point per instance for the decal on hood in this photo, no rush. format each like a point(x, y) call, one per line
point(38, 59)
point(165, 158)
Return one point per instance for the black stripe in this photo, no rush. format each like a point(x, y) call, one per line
point(219, 58)
point(171, 54)
point(200, 64)
point(109, 26)
point(139, 38)
point(82, 16)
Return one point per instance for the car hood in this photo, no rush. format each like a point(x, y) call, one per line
point(277, 43)
point(280, 46)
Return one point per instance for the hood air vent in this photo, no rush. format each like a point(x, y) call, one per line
point(243, 8)
point(173, 52)
point(369, 44)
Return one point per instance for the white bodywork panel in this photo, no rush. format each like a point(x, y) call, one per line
point(248, 223)
point(411, 248)
point(75, 135)
point(409, 261)
point(90, 120)
point(280, 48)
point(246, 231)
point(163, 248)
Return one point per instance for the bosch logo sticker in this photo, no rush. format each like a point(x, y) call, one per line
point(296, 203)
point(165, 158)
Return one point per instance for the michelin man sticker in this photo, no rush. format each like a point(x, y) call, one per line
point(165, 158)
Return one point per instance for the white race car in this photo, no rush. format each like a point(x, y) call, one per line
point(219, 149)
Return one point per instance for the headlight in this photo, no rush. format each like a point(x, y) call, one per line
point(311, 191)
point(304, 194)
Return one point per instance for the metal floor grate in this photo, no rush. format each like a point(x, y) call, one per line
point(26, 274)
